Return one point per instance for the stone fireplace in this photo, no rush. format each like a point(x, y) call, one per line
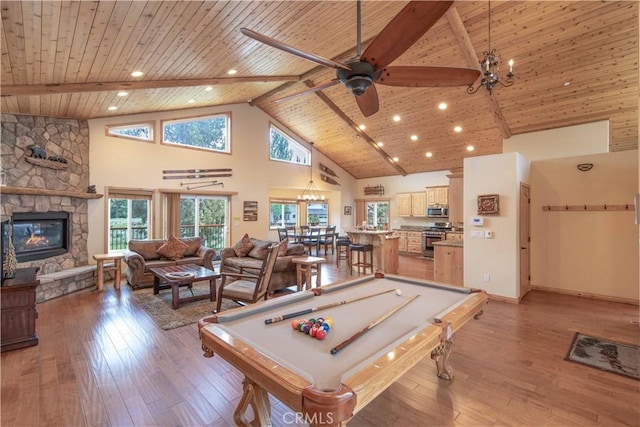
point(37, 184)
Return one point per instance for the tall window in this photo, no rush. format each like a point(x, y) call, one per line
point(205, 216)
point(207, 132)
point(283, 213)
point(377, 213)
point(318, 213)
point(285, 149)
point(129, 217)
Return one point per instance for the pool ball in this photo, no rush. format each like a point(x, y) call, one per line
point(398, 292)
point(320, 334)
point(295, 323)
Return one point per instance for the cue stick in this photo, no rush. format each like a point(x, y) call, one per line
point(322, 307)
point(370, 326)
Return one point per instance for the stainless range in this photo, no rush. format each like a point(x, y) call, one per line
point(434, 232)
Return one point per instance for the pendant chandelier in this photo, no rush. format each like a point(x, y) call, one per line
point(490, 66)
point(310, 193)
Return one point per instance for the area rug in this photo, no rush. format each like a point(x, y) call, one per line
point(159, 306)
point(619, 358)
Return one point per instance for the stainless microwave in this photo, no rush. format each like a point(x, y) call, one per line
point(438, 211)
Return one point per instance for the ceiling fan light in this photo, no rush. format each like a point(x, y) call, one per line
point(358, 84)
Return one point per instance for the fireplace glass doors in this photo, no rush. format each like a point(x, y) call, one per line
point(37, 235)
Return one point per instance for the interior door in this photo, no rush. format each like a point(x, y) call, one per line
point(525, 270)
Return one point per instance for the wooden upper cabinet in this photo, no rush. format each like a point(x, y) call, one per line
point(404, 204)
point(456, 203)
point(412, 204)
point(437, 195)
point(419, 204)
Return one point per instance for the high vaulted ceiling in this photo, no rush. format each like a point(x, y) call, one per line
point(69, 59)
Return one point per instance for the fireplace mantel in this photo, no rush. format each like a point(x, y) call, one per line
point(43, 192)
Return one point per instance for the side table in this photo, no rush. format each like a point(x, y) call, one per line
point(117, 266)
point(307, 267)
point(18, 310)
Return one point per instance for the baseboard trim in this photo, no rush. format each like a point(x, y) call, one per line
point(585, 295)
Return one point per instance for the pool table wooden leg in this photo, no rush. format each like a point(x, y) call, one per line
point(441, 355)
point(255, 396)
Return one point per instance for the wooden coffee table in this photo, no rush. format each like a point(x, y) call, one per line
point(178, 276)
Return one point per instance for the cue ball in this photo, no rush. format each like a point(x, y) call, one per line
point(398, 292)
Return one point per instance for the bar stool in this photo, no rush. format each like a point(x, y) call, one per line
point(361, 262)
point(342, 245)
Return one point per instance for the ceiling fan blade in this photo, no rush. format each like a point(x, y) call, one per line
point(406, 28)
point(308, 90)
point(297, 52)
point(368, 101)
point(428, 76)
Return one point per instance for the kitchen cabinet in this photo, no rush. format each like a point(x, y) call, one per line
point(437, 196)
point(18, 310)
point(412, 204)
point(414, 242)
point(456, 203)
point(409, 241)
point(453, 235)
point(448, 264)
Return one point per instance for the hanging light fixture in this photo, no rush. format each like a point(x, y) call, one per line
point(490, 68)
point(310, 193)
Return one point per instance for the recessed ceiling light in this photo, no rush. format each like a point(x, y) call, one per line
point(428, 154)
point(442, 106)
point(191, 101)
point(457, 129)
point(208, 88)
point(414, 137)
point(396, 118)
point(395, 159)
point(123, 93)
point(112, 108)
point(470, 148)
point(231, 72)
point(137, 74)
point(380, 144)
point(567, 83)
point(362, 127)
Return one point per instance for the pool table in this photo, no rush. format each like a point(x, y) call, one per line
point(328, 389)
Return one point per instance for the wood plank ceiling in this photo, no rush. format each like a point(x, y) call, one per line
point(69, 59)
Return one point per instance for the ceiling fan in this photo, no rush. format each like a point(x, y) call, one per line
point(360, 74)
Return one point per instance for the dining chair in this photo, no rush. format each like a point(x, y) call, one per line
point(311, 239)
point(246, 287)
point(283, 233)
point(328, 239)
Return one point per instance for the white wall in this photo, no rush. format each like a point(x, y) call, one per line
point(592, 252)
point(117, 162)
point(589, 138)
point(497, 257)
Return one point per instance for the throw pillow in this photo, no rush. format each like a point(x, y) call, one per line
point(284, 247)
point(243, 247)
point(173, 248)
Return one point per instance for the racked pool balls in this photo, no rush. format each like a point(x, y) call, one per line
point(315, 328)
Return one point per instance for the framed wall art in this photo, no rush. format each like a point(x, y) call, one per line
point(488, 204)
point(347, 210)
point(250, 211)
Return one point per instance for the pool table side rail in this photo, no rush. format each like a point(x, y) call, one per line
point(369, 382)
point(282, 383)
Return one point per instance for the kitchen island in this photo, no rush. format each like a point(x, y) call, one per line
point(385, 248)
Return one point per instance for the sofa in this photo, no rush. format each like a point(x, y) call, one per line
point(284, 272)
point(143, 255)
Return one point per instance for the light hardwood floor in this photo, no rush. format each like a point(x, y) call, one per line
point(102, 361)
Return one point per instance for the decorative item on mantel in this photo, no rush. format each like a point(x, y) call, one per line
point(10, 262)
point(91, 189)
point(39, 158)
point(377, 190)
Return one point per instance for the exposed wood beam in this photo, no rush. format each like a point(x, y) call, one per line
point(355, 127)
point(55, 88)
point(470, 55)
